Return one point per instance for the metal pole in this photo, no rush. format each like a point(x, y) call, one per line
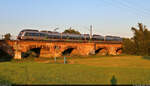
point(104, 38)
point(2, 37)
point(61, 36)
point(64, 60)
point(55, 59)
point(91, 32)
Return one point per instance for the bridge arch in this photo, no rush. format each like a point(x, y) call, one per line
point(32, 51)
point(118, 51)
point(48, 49)
point(101, 51)
point(68, 50)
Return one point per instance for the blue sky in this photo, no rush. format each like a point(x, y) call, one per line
point(108, 17)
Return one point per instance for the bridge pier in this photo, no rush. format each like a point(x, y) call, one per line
point(17, 55)
point(112, 51)
point(45, 53)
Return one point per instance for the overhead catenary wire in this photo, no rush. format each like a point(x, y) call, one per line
point(130, 6)
point(121, 6)
point(141, 8)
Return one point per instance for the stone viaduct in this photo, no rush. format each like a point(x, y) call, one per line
point(48, 49)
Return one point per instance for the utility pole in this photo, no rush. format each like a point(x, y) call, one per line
point(91, 31)
point(104, 38)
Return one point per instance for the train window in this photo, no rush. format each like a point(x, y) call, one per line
point(37, 34)
point(20, 33)
point(26, 34)
point(32, 34)
point(42, 35)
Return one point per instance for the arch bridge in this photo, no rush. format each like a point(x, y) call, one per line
point(48, 49)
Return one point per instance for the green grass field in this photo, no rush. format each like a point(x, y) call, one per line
point(82, 70)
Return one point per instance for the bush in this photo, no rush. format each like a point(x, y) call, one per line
point(129, 46)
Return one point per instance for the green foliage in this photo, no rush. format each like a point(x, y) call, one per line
point(4, 56)
point(129, 46)
point(142, 39)
point(140, 43)
point(71, 31)
point(7, 36)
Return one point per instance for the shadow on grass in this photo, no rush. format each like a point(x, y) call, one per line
point(61, 58)
point(85, 57)
point(29, 59)
point(146, 57)
point(113, 80)
point(5, 59)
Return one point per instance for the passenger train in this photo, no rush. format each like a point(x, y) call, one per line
point(29, 34)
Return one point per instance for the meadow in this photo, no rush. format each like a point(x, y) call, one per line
point(123, 69)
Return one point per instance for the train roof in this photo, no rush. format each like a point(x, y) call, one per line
point(30, 30)
point(113, 36)
point(96, 35)
point(86, 34)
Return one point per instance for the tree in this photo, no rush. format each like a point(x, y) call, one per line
point(139, 44)
point(142, 39)
point(71, 31)
point(7, 36)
